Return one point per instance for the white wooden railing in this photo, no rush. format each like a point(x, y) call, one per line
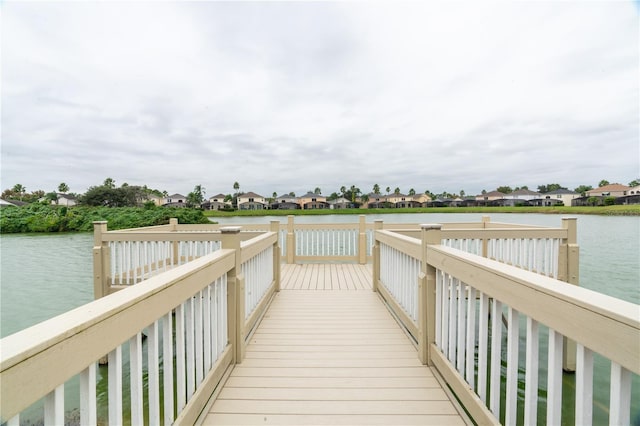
point(193, 317)
point(465, 302)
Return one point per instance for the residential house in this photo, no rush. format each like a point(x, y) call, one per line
point(558, 197)
point(340, 203)
point(175, 200)
point(493, 198)
point(285, 202)
point(521, 197)
point(251, 201)
point(613, 190)
point(217, 202)
point(377, 201)
point(158, 201)
point(400, 200)
point(67, 200)
point(421, 199)
point(311, 201)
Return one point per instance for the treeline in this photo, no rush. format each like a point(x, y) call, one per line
point(38, 217)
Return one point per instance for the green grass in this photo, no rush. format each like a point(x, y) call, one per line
point(630, 210)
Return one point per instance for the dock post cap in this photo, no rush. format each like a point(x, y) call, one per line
point(427, 226)
point(99, 222)
point(231, 229)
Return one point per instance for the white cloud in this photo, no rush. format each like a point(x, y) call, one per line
point(290, 96)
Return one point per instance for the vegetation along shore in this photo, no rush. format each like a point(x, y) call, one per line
point(39, 217)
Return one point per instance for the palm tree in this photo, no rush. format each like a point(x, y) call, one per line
point(63, 187)
point(236, 187)
point(376, 189)
point(343, 190)
point(19, 189)
point(396, 191)
point(412, 192)
point(388, 190)
point(317, 191)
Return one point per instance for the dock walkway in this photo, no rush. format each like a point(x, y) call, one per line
point(328, 352)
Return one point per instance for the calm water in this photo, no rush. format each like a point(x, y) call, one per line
point(42, 276)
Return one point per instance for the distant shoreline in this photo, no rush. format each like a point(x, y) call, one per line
point(624, 210)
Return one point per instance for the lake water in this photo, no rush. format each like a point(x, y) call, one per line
point(42, 276)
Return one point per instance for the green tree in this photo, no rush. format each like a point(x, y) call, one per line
point(635, 182)
point(504, 189)
point(19, 190)
point(602, 183)
point(388, 189)
point(396, 191)
point(317, 191)
point(412, 192)
point(582, 189)
point(376, 189)
point(63, 187)
point(109, 183)
point(196, 197)
point(462, 193)
point(343, 191)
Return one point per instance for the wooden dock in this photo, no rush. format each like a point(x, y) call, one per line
point(334, 356)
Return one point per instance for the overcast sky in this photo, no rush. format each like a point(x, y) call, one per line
point(290, 96)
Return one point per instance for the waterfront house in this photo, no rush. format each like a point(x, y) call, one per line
point(285, 202)
point(217, 202)
point(613, 190)
point(521, 197)
point(340, 203)
point(251, 201)
point(377, 201)
point(311, 201)
point(492, 198)
point(557, 197)
point(175, 200)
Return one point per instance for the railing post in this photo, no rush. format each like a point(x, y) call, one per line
point(100, 260)
point(431, 235)
point(235, 294)
point(569, 264)
point(291, 241)
point(377, 225)
point(173, 227)
point(485, 243)
point(275, 227)
point(362, 240)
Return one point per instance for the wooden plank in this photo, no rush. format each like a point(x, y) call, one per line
point(335, 382)
point(342, 363)
point(333, 394)
point(333, 407)
point(406, 419)
point(241, 371)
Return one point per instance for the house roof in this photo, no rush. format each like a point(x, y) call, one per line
point(524, 192)
point(218, 196)
point(493, 194)
point(176, 196)
point(250, 194)
point(562, 191)
point(614, 187)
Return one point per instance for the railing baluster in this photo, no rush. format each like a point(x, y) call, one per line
point(115, 386)
point(513, 335)
point(453, 292)
point(471, 337)
point(135, 379)
point(167, 366)
point(181, 384)
point(620, 400)
point(54, 407)
point(198, 339)
point(483, 346)
point(439, 292)
point(584, 386)
point(531, 374)
point(446, 295)
point(496, 352)
point(462, 323)
point(206, 317)
point(88, 409)
point(153, 363)
point(190, 346)
point(554, 381)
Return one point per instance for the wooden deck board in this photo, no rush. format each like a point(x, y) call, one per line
point(327, 352)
